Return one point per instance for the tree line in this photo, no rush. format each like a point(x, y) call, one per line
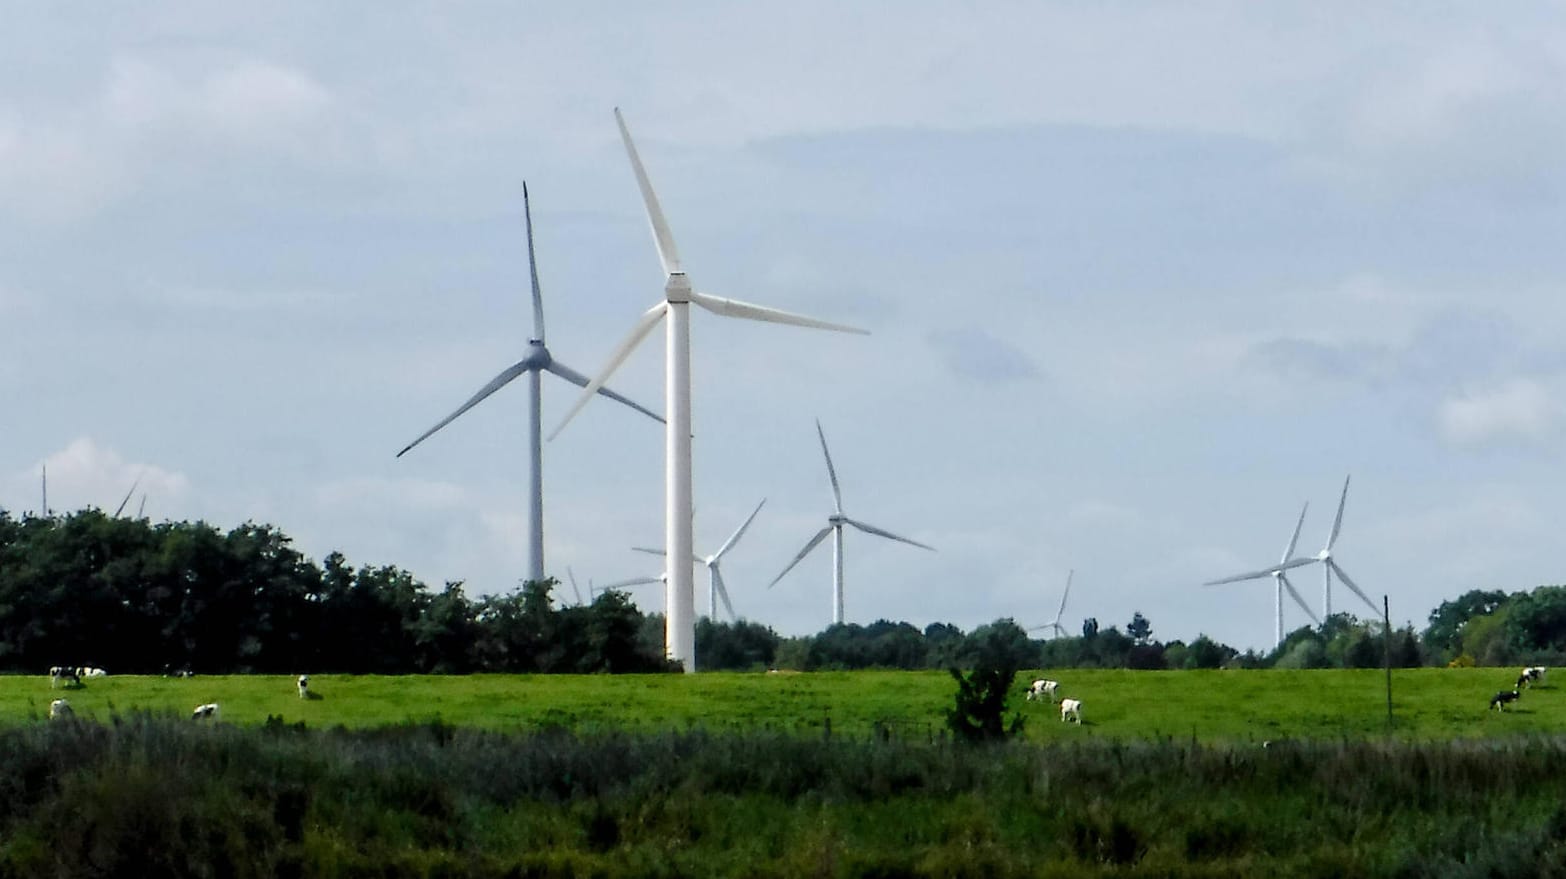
point(135, 597)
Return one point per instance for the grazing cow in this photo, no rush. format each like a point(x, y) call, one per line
point(60, 675)
point(209, 711)
point(58, 709)
point(91, 673)
point(1533, 674)
point(1071, 708)
point(1499, 700)
point(1042, 689)
point(304, 686)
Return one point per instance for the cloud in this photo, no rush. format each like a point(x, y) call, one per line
point(85, 474)
point(1520, 409)
point(975, 355)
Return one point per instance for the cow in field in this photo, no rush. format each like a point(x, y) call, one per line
point(1500, 700)
point(1071, 709)
point(60, 675)
point(209, 711)
point(59, 709)
point(1042, 689)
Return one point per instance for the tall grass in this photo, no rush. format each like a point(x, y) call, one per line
point(144, 794)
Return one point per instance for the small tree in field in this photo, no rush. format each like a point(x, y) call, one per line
point(979, 710)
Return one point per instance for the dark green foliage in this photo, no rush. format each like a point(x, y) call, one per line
point(978, 712)
point(147, 796)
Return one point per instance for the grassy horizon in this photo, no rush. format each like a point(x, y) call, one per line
point(1208, 706)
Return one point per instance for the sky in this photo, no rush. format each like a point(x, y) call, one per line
point(1141, 279)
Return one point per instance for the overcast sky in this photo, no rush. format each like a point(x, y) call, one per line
point(1141, 280)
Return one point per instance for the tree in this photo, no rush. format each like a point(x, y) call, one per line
point(1444, 634)
point(978, 713)
point(1140, 630)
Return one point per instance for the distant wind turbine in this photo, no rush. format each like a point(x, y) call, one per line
point(834, 526)
point(679, 595)
point(1281, 579)
point(1056, 629)
point(1331, 567)
point(121, 508)
point(45, 481)
point(537, 360)
point(715, 587)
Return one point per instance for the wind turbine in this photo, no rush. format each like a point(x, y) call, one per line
point(45, 481)
point(572, 574)
point(715, 587)
point(537, 361)
point(1057, 630)
point(1280, 579)
point(834, 526)
point(121, 508)
point(679, 598)
point(1331, 567)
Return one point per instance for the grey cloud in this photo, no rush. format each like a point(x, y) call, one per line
point(975, 355)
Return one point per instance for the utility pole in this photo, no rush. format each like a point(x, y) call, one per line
point(1386, 643)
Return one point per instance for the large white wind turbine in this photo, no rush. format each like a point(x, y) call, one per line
point(715, 587)
point(1281, 579)
point(834, 526)
point(679, 597)
point(1331, 567)
point(537, 360)
point(1056, 629)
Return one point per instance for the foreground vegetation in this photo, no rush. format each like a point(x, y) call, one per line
point(144, 795)
point(1207, 706)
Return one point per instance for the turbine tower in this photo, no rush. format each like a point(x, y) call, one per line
point(1331, 567)
point(679, 598)
point(834, 526)
point(1056, 629)
point(1280, 579)
point(537, 361)
point(715, 587)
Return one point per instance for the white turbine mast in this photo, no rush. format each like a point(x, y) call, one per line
point(1056, 629)
point(679, 598)
point(537, 361)
point(715, 587)
point(1280, 579)
point(1331, 567)
point(834, 526)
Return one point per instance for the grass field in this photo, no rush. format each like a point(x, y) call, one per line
point(1209, 706)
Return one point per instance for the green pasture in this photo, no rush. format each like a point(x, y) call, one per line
point(1209, 706)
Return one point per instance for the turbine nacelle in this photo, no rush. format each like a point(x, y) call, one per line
point(677, 288)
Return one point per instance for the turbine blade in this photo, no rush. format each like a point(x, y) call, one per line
point(639, 332)
point(1062, 612)
point(837, 493)
point(494, 385)
point(1237, 578)
point(734, 308)
point(1282, 578)
point(569, 573)
point(532, 268)
point(1343, 578)
point(576, 378)
point(635, 581)
point(1337, 524)
point(647, 549)
point(1289, 553)
point(723, 593)
point(734, 538)
point(820, 536)
point(880, 532)
point(119, 509)
point(662, 237)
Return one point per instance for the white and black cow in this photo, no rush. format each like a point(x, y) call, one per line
point(1071, 709)
point(209, 711)
point(1500, 700)
point(59, 709)
point(60, 675)
point(304, 686)
point(1042, 689)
